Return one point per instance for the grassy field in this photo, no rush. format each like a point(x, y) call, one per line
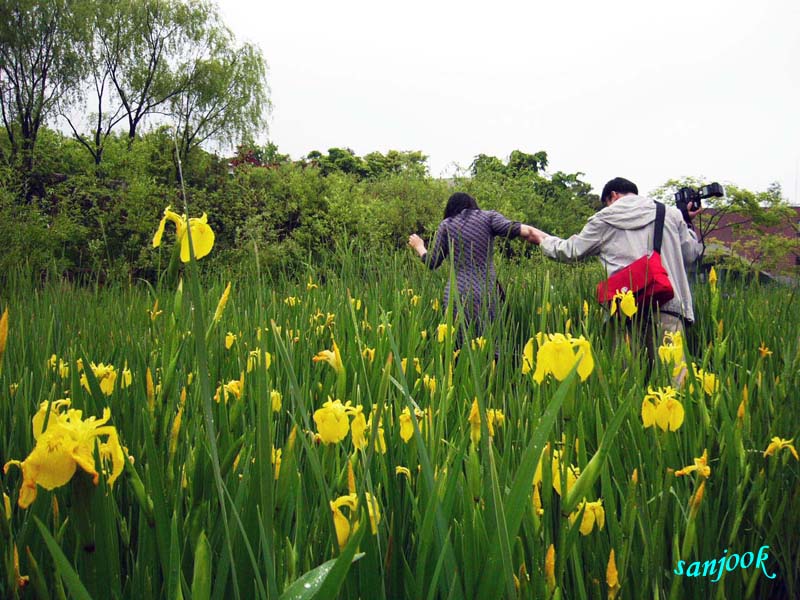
point(425, 476)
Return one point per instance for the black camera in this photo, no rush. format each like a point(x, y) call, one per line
point(687, 195)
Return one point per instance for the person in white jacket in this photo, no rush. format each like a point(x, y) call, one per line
point(622, 232)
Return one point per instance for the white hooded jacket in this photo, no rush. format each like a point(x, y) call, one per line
point(623, 232)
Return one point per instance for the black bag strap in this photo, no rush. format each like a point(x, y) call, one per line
point(661, 210)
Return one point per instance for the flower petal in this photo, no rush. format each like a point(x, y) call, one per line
point(202, 240)
point(159, 233)
point(648, 413)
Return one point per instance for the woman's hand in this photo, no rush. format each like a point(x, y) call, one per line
point(417, 244)
point(531, 234)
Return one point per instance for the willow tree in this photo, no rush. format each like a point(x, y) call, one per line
point(226, 98)
point(40, 67)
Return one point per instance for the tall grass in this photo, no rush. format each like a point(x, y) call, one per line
point(461, 521)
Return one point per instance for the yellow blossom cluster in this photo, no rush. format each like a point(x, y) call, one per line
point(333, 424)
point(59, 365)
point(661, 407)
point(671, 354)
point(593, 512)
point(493, 417)
point(64, 442)
point(235, 388)
point(106, 376)
point(406, 425)
point(558, 353)
point(444, 331)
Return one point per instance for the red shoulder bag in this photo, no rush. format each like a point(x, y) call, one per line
point(646, 277)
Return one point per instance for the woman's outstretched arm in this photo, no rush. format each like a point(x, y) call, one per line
point(440, 247)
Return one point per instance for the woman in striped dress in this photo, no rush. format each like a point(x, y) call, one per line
point(467, 233)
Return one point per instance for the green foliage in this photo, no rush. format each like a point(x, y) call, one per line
point(395, 162)
point(521, 162)
point(341, 160)
point(204, 511)
point(559, 205)
point(85, 221)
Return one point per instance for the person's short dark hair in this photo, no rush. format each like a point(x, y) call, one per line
point(458, 202)
point(619, 185)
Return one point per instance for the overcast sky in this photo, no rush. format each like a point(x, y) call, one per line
point(644, 90)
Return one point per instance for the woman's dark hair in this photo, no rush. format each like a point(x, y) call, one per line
point(619, 185)
point(458, 202)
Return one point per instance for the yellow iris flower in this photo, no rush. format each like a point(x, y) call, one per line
point(332, 421)
point(661, 407)
point(709, 380)
point(368, 354)
point(573, 473)
point(777, 444)
point(223, 300)
point(68, 442)
point(234, 387)
point(417, 365)
point(253, 358)
point(58, 364)
point(276, 400)
point(671, 351)
point(106, 376)
point(612, 576)
point(346, 525)
point(3, 334)
point(627, 303)
point(593, 514)
point(443, 332)
point(493, 417)
point(406, 426)
point(380, 439)
point(332, 357)
point(550, 568)
point(479, 343)
point(557, 354)
point(202, 234)
point(230, 338)
point(127, 377)
point(536, 500)
point(358, 428)
point(700, 465)
point(276, 461)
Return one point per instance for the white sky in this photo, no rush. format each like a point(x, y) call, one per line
point(643, 90)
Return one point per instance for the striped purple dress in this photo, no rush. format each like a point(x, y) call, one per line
point(469, 236)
